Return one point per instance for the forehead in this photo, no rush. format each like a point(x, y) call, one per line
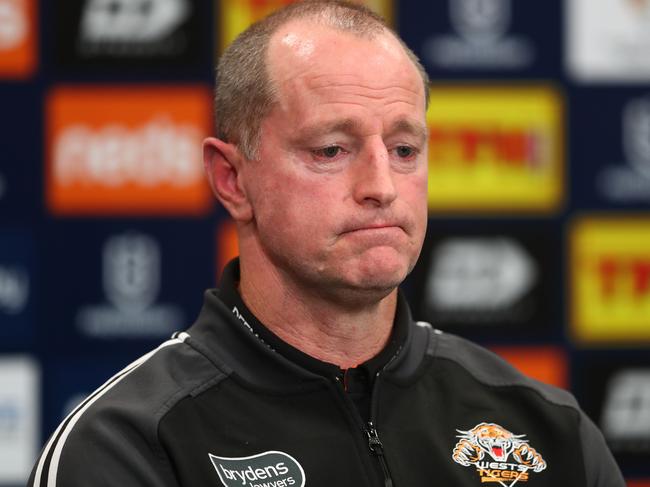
point(304, 56)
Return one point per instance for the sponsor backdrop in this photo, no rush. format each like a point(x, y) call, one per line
point(539, 236)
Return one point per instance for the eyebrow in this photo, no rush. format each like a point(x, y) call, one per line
point(351, 125)
point(404, 125)
point(348, 125)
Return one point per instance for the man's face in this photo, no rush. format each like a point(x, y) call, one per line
point(339, 194)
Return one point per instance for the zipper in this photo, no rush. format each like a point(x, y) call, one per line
point(375, 445)
point(377, 448)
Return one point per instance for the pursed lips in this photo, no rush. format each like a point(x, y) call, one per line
point(373, 227)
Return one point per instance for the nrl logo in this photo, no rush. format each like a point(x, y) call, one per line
point(636, 134)
point(498, 455)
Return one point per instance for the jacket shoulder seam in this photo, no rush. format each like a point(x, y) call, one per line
point(479, 356)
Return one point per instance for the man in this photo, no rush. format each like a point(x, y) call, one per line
point(305, 367)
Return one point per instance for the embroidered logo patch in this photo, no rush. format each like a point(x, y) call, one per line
point(268, 469)
point(498, 455)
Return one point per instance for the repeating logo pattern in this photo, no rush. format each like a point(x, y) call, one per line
point(625, 418)
point(628, 181)
point(110, 26)
point(19, 416)
point(18, 42)
point(121, 153)
point(608, 43)
point(131, 275)
point(125, 151)
point(480, 274)
point(481, 38)
point(495, 149)
point(610, 279)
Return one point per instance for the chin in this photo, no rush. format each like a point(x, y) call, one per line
point(381, 278)
point(356, 295)
point(382, 269)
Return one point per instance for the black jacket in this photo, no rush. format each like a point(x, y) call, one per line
point(217, 406)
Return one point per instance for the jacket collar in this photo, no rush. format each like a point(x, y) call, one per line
point(232, 338)
point(229, 295)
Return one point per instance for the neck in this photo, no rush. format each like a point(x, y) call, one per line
point(330, 331)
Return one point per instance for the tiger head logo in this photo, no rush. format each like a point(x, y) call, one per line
point(493, 440)
point(489, 440)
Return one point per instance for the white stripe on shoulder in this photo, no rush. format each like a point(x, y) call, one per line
point(424, 324)
point(182, 336)
point(69, 422)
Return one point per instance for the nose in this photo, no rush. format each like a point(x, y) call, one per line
point(374, 179)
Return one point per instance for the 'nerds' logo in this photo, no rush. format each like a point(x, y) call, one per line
point(268, 469)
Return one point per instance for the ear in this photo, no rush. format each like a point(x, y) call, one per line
point(223, 163)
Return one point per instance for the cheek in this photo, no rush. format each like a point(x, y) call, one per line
point(289, 208)
point(414, 191)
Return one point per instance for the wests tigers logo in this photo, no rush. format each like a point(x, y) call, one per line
point(498, 455)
